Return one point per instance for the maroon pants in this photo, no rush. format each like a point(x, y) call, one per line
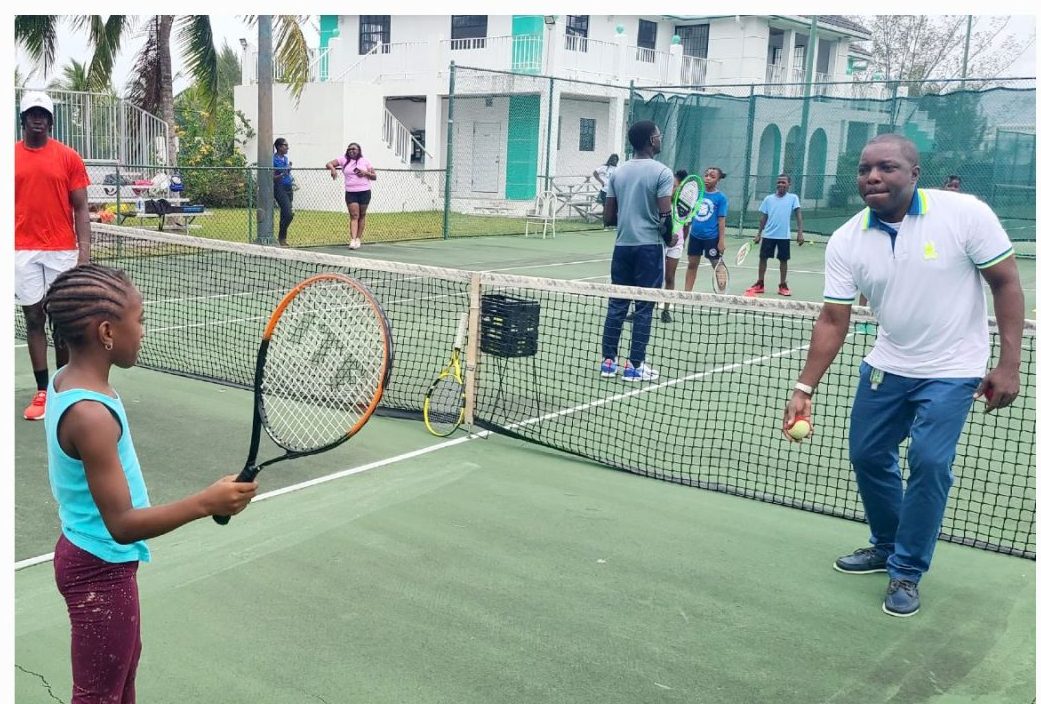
point(106, 624)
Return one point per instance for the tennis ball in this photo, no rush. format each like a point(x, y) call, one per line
point(799, 429)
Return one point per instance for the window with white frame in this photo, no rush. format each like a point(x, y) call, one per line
point(586, 134)
point(646, 40)
point(469, 31)
point(372, 29)
point(576, 33)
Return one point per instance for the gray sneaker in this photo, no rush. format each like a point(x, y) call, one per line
point(901, 598)
point(863, 561)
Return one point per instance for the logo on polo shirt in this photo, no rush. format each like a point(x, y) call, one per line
point(929, 251)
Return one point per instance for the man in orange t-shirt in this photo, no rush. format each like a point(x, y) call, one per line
point(51, 228)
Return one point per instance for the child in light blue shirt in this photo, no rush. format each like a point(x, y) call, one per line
point(775, 232)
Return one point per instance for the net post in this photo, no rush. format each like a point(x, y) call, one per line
point(473, 326)
point(549, 132)
point(449, 170)
point(249, 204)
point(632, 109)
point(747, 191)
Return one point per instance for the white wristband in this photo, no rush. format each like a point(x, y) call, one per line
point(805, 388)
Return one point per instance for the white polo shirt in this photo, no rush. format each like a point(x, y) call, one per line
point(923, 283)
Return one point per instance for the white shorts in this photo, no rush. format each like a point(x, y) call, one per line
point(677, 251)
point(35, 270)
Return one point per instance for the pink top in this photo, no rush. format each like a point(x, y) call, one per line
point(352, 183)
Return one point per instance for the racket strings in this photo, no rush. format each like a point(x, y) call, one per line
point(687, 199)
point(722, 275)
point(324, 367)
point(446, 404)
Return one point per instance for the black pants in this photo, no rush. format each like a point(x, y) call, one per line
point(284, 198)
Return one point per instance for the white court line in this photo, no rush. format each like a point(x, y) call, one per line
point(546, 265)
point(29, 562)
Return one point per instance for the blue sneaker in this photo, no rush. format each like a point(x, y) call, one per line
point(640, 373)
point(608, 367)
point(863, 561)
point(901, 598)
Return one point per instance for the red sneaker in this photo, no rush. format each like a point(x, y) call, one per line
point(36, 408)
point(755, 289)
point(784, 290)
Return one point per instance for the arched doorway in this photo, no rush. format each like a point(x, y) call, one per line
point(816, 164)
point(769, 160)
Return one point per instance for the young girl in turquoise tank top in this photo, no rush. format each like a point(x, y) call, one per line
point(98, 485)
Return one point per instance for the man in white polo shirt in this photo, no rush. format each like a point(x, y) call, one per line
point(920, 257)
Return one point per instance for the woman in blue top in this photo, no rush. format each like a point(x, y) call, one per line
point(97, 482)
point(283, 188)
point(708, 228)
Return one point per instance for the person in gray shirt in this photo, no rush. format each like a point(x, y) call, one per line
point(639, 201)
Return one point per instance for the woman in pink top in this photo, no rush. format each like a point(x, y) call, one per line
point(357, 177)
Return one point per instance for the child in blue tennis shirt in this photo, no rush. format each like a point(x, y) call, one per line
point(97, 482)
point(708, 228)
point(775, 230)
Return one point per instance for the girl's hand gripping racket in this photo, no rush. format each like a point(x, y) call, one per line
point(686, 200)
point(443, 405)
point(324, 361)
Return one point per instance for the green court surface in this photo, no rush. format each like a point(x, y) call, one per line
point(492, 571)
point(485, 569)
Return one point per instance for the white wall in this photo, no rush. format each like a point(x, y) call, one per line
point(571, 161)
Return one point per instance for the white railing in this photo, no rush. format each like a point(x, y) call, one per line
point(517, 53)
point(104, 127)
point(575, 42)
point(399, 139)
point(693, 71)
point(317, 67)
point(468, 43)
point(648, 64)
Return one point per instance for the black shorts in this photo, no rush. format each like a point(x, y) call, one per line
point(697, 248)
point(769, 248)
point(359, 197)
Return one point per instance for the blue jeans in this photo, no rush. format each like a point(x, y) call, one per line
point(640, 265)
point(906, 522)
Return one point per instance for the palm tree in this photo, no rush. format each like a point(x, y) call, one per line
point(73, 78)
point(151, 88)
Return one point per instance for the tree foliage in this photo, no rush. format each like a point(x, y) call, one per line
point(930, 49)
point(210, 147)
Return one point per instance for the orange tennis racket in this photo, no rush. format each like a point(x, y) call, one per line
point(324, 361)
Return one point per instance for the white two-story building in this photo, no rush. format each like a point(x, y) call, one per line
point(383, 81)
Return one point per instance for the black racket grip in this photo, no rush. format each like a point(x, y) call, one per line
point(246, 475)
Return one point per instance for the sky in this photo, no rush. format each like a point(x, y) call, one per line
point(226, 28)
point(230, 28)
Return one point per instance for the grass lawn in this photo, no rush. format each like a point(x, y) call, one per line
point(312, 227)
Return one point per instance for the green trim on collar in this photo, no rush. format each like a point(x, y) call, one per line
point(919, 206)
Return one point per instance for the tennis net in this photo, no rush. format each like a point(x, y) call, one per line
point(710, 420)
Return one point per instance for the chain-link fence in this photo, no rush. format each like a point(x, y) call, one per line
point(222, 202)
point(986, 137)
point(520, 151)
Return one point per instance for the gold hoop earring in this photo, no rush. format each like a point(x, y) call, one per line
point(108, 346)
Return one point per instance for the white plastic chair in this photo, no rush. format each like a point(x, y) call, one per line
point(543, 215)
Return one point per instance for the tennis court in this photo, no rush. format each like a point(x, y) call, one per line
point(404, 568)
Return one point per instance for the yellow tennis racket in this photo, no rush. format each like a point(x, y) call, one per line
point(444, 403)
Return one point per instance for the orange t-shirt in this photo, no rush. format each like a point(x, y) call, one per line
point(44, 180)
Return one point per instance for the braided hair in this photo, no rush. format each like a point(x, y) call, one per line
point(82, 294)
